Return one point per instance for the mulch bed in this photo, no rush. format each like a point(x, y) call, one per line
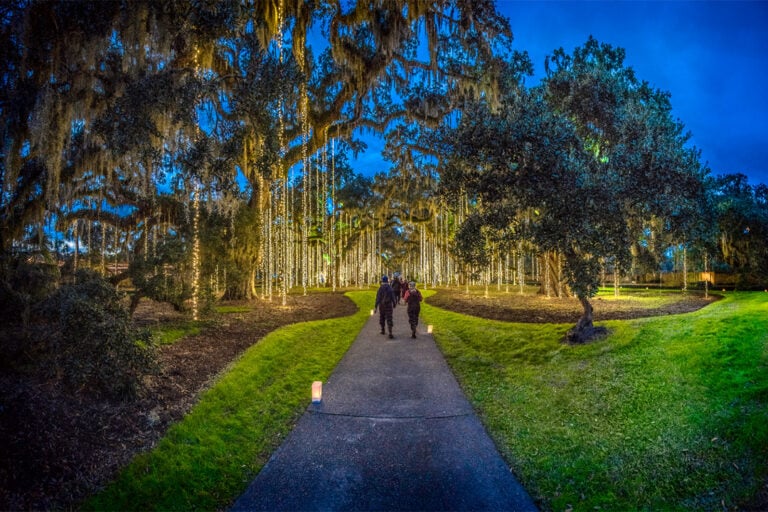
point(529, 308)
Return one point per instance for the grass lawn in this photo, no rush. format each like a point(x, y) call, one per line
point(169, 334)
point(205, 461)
point(667, 413)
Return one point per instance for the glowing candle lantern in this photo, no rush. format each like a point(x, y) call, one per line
point(317, 392)
point(429, 329)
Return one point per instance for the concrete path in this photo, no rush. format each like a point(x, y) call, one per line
point(393, 432)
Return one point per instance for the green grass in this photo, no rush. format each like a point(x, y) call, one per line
point(233, 309)
point(169, 334)
point(667, 413)
point(205, 461)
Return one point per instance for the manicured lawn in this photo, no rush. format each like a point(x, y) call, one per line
point(205, 461)
point(667, 413)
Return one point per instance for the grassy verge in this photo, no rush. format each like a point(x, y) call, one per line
point(205, 461)
point(169, 334)
point(667, 413)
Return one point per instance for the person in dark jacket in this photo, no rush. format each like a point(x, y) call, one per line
point(385, 304)
point(413, 298)
point(396, 287)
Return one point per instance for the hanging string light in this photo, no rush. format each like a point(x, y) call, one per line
point(332, 245)
point(195, 251)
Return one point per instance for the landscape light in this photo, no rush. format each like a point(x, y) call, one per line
point(317, 392)
point(429, 329)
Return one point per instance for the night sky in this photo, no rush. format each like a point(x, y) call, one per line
point(711, 56)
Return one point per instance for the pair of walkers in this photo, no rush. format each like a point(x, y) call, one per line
point(387, 300)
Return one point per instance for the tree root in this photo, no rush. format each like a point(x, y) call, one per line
point(580, 335)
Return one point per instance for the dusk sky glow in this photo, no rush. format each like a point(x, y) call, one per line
point(711, 56)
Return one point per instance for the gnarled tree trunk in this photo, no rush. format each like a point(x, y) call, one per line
point(585, 329)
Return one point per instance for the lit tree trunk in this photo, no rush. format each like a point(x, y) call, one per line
point(602, 273)
point(76, 236)
point(506, 273)
point(551, 276)
point(706, 280)
point(252, 280)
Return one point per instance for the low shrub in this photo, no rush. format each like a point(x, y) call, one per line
point(92, 346)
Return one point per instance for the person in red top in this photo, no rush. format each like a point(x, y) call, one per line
point(413, 300)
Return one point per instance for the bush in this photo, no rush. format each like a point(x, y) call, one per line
point(95, 349)
point(25, 280)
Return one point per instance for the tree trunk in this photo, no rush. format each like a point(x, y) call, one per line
point(240, 286)
point(551, 276)
point(585, 329)
point(254, 289)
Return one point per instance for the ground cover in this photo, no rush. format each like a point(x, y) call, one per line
point(666, 413)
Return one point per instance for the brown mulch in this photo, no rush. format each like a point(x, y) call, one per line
point(58, 447)
point(531, 308)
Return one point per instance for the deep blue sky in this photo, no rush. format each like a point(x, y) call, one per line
point(711, 56)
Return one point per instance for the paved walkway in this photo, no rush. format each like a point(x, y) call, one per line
point(393, 432)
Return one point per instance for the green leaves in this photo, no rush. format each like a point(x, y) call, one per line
point(94, 346)
point(584, 165)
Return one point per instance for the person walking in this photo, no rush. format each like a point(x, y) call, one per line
point(385, 304)
point(413, 299)
point(396, 284)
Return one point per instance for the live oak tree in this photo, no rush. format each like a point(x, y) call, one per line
point(741, 218)
point(372, 74)
point(98, 104)
point(107, 99)
point(575, 166)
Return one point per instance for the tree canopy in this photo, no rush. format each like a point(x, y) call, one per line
point(582, 165)
point(198, 143)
